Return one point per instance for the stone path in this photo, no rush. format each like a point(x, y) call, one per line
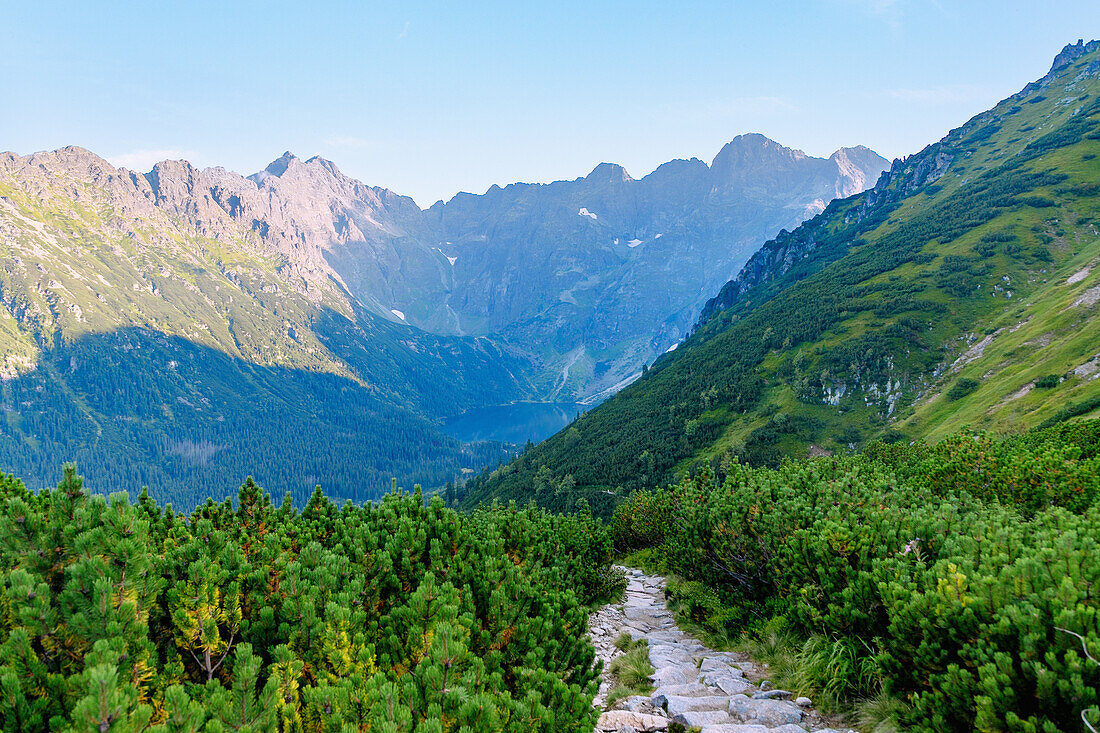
point(694, 686)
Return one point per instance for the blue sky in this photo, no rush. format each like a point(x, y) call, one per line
point(432, 98)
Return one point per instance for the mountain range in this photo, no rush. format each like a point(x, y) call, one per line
point(960, 291)
point(168, 328)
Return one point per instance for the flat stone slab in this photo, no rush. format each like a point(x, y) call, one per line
point(731, 685)
point(771, 713)
point(700, 718)
point(669, 676)
point(691, 689)
point(616, 719)
point(750, 728)
point(679, 703)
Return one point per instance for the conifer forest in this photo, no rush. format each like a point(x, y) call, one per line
point(799, 437)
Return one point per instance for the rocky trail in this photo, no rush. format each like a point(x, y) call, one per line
point(694, 686)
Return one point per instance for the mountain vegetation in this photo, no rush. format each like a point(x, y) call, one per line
point(246, 616)
point(177, 328)
point(959, 291)
point(953, 584)
point(875, 460)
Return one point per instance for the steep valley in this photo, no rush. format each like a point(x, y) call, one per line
point(959, 291)
point(180, 328)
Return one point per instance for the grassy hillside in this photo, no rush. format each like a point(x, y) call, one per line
point(962, 290)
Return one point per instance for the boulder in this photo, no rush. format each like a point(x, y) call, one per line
point(731, 685)
point(711, 664)
point(773, 695)
point(771, 713)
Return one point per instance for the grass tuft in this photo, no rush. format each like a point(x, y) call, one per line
point(631, 670)
point(881, 713)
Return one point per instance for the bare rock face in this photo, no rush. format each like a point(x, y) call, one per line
point(556, 292)
point(324, 225)
point(606, 272)
point(588, 278)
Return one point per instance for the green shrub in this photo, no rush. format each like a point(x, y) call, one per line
point(641, 520)
point(961, 389)
point(937, 575)
point(399, 615)
point(1048, 381)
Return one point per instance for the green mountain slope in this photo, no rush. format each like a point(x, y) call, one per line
point(962, 290)
point(163, 351)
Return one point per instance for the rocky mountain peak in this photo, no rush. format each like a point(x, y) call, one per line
point(1072, 52)
point(72, 159)
point(610, 172)
point(749, 152)
point(326, 164)
point(172, 180)
point(858, 168)
point(275, 168)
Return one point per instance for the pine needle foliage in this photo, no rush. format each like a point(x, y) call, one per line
point(931, 582)
point(396, 616)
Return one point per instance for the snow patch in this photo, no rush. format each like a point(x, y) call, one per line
point(586, 212)
point(633, 243)
point(449, 258)
point(399, 314)
point(658, 236)
point(671, 348)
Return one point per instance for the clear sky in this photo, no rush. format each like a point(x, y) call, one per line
point(432, 98)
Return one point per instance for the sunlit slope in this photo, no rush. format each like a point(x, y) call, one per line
point(181, 352)
point(930, 302)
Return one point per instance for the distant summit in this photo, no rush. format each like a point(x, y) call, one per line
point(276, 168)
point(347, 304)
point(955, 294)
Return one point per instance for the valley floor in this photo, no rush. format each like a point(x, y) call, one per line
point(695, 686)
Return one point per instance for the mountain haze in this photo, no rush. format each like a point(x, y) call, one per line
point(596, 276)
point(167, 328)
point(960, 291)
